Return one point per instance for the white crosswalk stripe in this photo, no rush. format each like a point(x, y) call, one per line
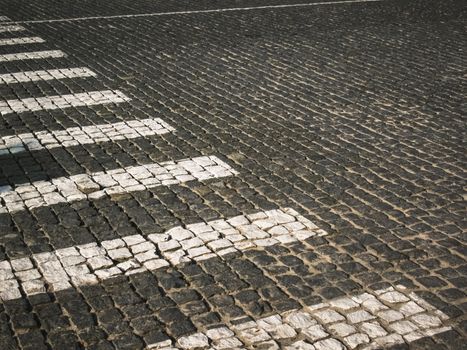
point(11, 28)
point(369, 321)
point(21, 41)
point(100, 184)
point(89, 263)
point(52, 74)
point(62, 101)
point(84, 135)
point(32, 55)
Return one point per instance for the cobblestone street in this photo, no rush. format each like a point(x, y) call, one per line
point(233, 174)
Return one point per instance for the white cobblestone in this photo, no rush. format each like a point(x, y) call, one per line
point(329, 344)
point(193, 341)
point(227, 344)
point(403, 327)
point(300, 319)
point(394, 297)
point(426, 321)
point(21, 264)
point(28, 275)
point(34, 287)
point(343, 303)
point(328, 316)
point(314, 333)
point(374, 305)
point(342, 329)
point(254, 335)
point(354, 340)
point(390, 315)
point(390, 340)
point(359, 316)
point(219, 333)
point(300, 345)
point(373, 329)
point(411, 308)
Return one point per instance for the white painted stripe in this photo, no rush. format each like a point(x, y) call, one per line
point(4, 19)
point(21, 41)
point(84, 135)
point(219, 10)
point(62, 101)
point(100, 184)
point(11, 28)
point(53, 74)
point(33, 55)
point(89, 263)
point(372, 320)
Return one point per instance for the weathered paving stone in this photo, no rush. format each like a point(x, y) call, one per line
point(89, 263)
point(349, 113)
point(291, 324)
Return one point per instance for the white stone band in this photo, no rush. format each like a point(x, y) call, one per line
point(62, 101)
point(369, 321)
point(53, 74)
point(21, 41)
point(83, 135)
point(32, 55)
point(11, 28)
point(89, 263)
point(111, 182)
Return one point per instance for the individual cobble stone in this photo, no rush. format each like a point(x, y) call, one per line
point(87, 264)
point(318, 327)
point(112, 182)
point(91, 98)
point(130, 129)
point(198, 340)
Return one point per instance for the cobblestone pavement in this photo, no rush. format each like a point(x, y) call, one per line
point(235, 174)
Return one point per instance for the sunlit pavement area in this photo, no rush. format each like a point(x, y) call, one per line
point(232, 174)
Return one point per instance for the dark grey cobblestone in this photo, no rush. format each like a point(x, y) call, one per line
point(354, 115)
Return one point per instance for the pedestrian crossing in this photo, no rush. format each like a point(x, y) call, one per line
point(370, 320)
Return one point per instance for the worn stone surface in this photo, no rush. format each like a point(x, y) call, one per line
point(349, 114)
